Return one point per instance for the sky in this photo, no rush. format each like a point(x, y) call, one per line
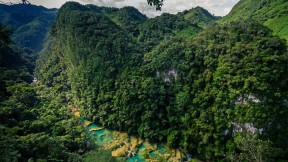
point(216, 7)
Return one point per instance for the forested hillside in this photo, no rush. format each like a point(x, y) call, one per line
point(29, 23)
point(35, 124)
point(271, 13)
point(209, 89)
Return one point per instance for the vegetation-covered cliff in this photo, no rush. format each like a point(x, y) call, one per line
point(271, 13)
point(173, 78)
point(35, 124)
point(216, 89)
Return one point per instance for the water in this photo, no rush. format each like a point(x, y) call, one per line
point(141, 147)
point(136, 158)
point(161, 149)
point(153, 154)
point(104, 137)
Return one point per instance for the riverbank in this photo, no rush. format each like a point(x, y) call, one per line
point(125, 146)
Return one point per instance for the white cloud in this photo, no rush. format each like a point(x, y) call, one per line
point(219, 7)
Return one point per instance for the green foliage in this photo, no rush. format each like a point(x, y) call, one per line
point(165, 27)
point(16, 65)
point(157, 3)
point(128, 18)
point(156, 78)
point(35, 124)
point(272, 14)
point(99, 155)
point(29, 23)
point(4, 35)
point(39, 126)
point(198, 16)
point(251, 149)
point(228, 62)
point(164, 81)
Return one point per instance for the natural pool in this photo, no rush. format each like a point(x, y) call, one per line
point(136, 158)
point(129, 147)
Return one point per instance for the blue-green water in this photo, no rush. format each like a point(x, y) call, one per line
point(153, 154)
point(104, 136)
point(161, 149)
point(136, 158)
point(82, 120)
point(141, 147)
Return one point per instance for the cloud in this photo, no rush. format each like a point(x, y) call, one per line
point(219, 7)
point(216, 7)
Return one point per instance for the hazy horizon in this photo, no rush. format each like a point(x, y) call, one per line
point(219, 8)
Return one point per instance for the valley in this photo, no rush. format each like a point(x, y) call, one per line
point(90, 83)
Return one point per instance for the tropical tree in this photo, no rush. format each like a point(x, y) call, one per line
point(157, 3)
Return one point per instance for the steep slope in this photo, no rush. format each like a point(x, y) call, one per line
point(16, 65)
point(207, 76)
point(199, 16)
point(29, 23)
point(169, 83)
point(92, 49)
point(128, 18)
point(271, 13)
point(35, 123)
point(167, 26)
point(96, 53)
point(164, 27)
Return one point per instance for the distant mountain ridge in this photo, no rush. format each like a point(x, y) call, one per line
point(183, 80)
point(173, 78)
point(102, 43)
point(29, 23)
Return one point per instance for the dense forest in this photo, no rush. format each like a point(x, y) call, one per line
point(29, 24)
point(35, 124)
point(214, 87)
